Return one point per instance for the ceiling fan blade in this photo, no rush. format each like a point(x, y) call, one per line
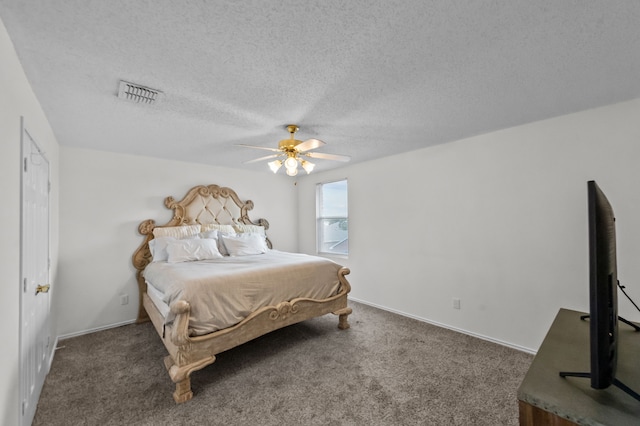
point(259, 147)
point(309, 144)
point(262, 158)
point(323, 156)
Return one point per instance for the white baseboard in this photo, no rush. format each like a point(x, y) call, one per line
point(52, 352)
point(93, 330)
point(438, 324)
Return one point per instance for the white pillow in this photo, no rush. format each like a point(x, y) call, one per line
point(244, 244)
point(176, 231)
point(158, 248)
point(209, 234)
point(221, 246)
point(218, 227)
point(215, 235)
point(189, 250)
point(241, 228)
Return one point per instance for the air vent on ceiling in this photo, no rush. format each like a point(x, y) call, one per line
point(139, 94)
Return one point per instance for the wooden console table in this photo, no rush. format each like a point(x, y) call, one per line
point(545, 398)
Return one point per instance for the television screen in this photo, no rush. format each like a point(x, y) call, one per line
point(603, 282)
point(603, 295)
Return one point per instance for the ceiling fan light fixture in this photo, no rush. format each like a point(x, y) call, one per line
point(292, 172)
point(307, 166)
point(275, 165)
point(291, 162)
point(292, 151)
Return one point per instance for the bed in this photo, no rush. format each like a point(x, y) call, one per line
point(204, 305)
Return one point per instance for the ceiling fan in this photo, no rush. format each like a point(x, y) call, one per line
point(293, 151)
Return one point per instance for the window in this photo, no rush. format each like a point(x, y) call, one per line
point(332, 218)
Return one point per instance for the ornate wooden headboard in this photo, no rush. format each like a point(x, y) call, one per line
point(202, 204)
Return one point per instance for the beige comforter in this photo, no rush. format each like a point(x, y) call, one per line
point(222, 292)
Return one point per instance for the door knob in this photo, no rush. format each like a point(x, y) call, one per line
point(43, 288)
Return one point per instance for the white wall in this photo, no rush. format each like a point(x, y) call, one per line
point(497, 220)
point(104, 197)
point(16, 100)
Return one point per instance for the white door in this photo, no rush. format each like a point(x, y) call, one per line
point(35, 338)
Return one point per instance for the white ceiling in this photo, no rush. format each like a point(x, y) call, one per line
point(369, 77)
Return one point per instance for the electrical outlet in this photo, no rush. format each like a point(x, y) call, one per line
point(456, 303)
point(124, 299)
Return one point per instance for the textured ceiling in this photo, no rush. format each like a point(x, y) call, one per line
point(370, 78)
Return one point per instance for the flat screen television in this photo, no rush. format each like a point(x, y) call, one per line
point(603, 288)
point(603, 291)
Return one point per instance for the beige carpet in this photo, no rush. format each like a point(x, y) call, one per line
point(385, 370)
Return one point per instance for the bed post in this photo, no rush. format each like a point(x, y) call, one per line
point(141, 258)
point(343, 314)
point(180, 368)
point(345, 288)
point(181, 376)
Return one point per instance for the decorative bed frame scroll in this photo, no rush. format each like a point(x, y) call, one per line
point(215, 204)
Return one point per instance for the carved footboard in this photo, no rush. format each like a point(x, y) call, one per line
point(188, 354)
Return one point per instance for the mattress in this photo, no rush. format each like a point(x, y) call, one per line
point(222, 292)
point(156, 297)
